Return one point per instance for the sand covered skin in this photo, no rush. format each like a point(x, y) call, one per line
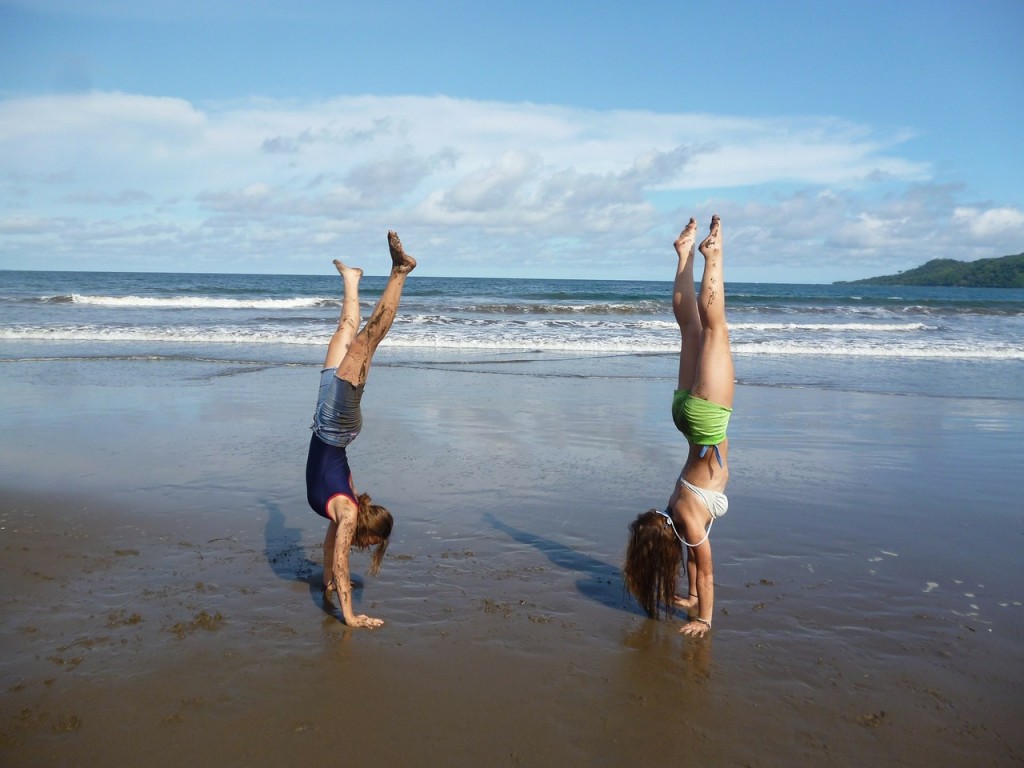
point(160, 575)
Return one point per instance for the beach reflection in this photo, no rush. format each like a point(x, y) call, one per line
point(659, 644)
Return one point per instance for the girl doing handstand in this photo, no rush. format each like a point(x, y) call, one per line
point(353, 520)
point(659, 542)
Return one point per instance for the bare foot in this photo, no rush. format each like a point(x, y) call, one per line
point(400, 260)
point(345, 270)
point(684, 243)
point(712, 245)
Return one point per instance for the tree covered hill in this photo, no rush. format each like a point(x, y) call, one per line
point(1003, 272)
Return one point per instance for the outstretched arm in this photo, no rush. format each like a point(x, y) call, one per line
point(344, 512)
point(700, 561)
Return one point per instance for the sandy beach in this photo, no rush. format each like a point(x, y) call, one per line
point(161, 571)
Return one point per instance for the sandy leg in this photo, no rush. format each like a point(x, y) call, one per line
point(711, 247)
point(401, 262)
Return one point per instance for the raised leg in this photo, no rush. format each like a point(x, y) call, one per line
point(715, 379)
point(684, 307)
point(348, 321)
point(356, 364)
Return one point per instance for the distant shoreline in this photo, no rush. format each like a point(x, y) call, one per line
point(1003, 272)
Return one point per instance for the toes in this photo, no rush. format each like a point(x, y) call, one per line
point(687, 235)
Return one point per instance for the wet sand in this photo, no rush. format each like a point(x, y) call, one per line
point(161, 601)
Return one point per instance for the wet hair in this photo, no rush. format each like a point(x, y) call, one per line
point(653, 558)
point(373, 520)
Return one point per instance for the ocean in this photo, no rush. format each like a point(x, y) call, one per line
point(902, 340)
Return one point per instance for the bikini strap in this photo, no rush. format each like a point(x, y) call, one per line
point(672, 522)
point(718, 454)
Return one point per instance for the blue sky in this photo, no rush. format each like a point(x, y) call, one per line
point(837, 140)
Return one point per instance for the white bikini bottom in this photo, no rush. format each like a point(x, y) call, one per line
point(717, 503)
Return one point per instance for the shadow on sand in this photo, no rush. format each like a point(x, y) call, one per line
point(288, 558)
point(601, 582)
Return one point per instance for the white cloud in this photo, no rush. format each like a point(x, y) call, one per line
point(994, 222)
point(265, 185)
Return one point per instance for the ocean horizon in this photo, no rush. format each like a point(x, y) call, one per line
point(904, 340)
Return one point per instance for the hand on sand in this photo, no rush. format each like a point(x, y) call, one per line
point(695, 629)
point(364, 621)
point(688, 604)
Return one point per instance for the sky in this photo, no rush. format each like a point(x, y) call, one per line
point(836, 139)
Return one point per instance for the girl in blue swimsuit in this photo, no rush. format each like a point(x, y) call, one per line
point(353, 519)
point(661, 541)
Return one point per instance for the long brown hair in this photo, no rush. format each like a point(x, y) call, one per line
point(653, 558)
point(373, 520)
